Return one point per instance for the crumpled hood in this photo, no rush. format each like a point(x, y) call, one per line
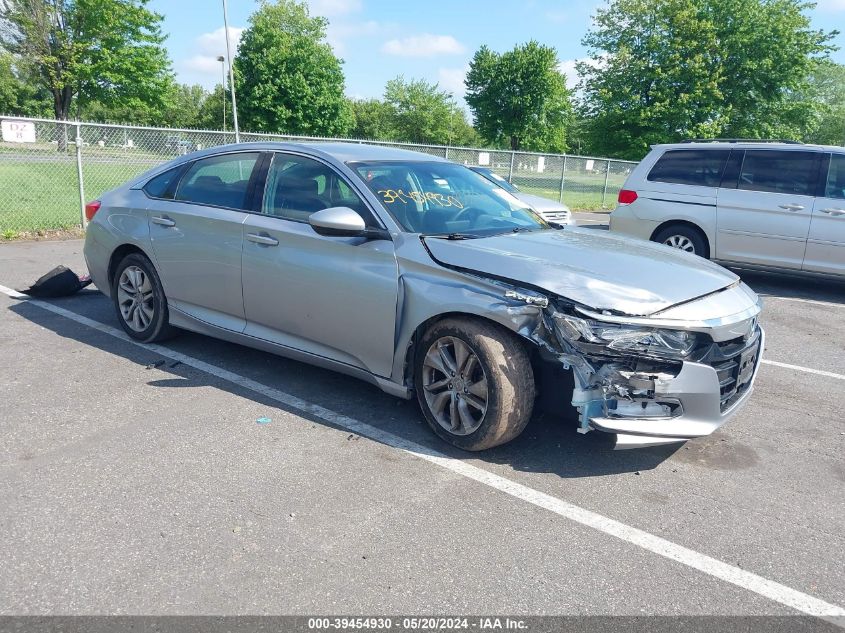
point(600, 270)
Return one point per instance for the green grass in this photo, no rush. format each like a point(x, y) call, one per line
point(44, 196)
point(41, 193)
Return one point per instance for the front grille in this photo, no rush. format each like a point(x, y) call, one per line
point(734, 362)
point(556, 216)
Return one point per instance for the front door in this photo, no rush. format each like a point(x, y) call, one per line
point(329, 296)
point(826, 241)
point(766, 218)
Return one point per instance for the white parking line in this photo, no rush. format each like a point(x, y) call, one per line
point(827, 304)
point(741, 578)
point(809, 370)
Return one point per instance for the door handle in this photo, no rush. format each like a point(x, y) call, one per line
point(792, 207)
point(266, 240)
point(162, 220)
point(834, 212)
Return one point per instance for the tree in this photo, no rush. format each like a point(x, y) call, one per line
point(519, 97)
point(373, 119)
point(210, 116)
point(422, 112)
point(826, 88)
point(19, 95)
point(673, 69)
point(105, 51)
point(184, 105)
point(287, 78)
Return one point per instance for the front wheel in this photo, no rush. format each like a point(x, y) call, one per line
point(139, 300)
point(474, 383)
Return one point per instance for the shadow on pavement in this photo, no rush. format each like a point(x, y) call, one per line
point(794, 286)
point(548, 445)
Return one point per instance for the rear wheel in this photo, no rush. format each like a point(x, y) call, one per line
point(139, 300)
point(474, 383)
point(684, 238)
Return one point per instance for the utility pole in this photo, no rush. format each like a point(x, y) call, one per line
point(231, 74)
point(222, 61)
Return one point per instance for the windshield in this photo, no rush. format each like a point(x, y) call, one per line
point(493, 177)
point(446, 199)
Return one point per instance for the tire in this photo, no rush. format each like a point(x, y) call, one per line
point(139, 300)
point(683, 238)
point(501, 363)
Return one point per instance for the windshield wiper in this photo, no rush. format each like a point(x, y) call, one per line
point(452, 236)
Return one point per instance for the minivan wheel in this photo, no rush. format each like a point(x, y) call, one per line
point(474, 383)
point(139, 300)
point(683, 238)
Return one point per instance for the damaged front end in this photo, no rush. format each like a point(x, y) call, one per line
point(658, 379)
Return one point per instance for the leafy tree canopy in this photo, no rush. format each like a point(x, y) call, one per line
point(674, 69)
point(287, 77)
point(519, 97)
point(424, 113)
point(108, 51)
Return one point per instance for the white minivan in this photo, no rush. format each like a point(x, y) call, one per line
point(769, 205)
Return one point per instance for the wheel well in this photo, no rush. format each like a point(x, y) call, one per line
point(117, 256)
point(691, 225)
point(410, 353)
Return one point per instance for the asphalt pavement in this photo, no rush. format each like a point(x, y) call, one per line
point(204, 477)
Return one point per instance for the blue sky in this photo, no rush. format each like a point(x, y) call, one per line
point(429, 39)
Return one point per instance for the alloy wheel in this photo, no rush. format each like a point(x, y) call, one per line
point(454, 385)
point(135, 298)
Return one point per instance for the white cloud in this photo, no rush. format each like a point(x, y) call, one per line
point(452, 80)
point(830, 6)
point(333, 8)
point(214, 43)
point(203, 67)
point(424, 45)
point(338, 33)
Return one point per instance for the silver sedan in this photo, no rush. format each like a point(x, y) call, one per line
point(429, 281)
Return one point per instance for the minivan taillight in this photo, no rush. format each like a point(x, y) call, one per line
point(91, 208)
point(626, 196)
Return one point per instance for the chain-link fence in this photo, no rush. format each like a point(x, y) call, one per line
point(49, 169)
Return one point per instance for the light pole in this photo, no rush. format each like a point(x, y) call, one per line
point(231, 75)
point(222, 61)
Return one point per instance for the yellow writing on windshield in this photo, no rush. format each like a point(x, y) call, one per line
point(391, 196)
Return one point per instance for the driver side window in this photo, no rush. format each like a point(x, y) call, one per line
point(297, 187)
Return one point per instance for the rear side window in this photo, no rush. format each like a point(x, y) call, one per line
point(776, 171)
point(702, 168)
point(220, 181)
point(160, 186)
point(836, 178)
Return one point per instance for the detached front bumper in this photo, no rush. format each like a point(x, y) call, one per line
point(701, 397)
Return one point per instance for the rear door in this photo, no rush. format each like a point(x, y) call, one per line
point(196, 236)
point(763, 215)
point(334, 297)
point(826, 240)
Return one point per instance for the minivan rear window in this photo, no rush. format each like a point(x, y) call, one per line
point(702, 168)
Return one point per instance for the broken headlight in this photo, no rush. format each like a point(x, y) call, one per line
point(592, 336)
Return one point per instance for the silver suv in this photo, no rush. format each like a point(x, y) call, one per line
point(767, 205)
point(425, 279)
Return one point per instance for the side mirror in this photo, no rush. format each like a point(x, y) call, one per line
point(343, 222)
point(337, 222)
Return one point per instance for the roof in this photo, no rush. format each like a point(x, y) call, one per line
point(749, 145)
point(343, 152)
point(346, 152)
